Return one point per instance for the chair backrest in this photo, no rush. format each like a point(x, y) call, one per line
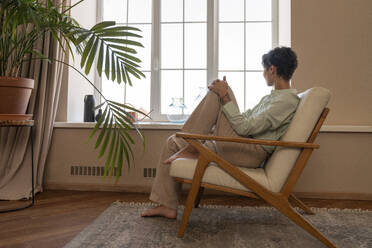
point(312, 103)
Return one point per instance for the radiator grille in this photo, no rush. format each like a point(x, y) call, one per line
point(149, 172)
point(100, 170)
point(89, 171)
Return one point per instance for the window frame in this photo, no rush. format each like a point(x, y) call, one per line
point(212, 50)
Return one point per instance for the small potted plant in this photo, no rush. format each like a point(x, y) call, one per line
point(24, 22)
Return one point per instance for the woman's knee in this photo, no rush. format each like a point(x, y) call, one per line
point(211, 95)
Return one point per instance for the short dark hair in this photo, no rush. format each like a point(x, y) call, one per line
point(284, 59)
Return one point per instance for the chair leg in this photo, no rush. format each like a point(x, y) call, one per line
point(196, 182)
point(300, 204)
point(287, 210)
point(198, 197)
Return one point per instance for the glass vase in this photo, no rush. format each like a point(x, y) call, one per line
point(176, 111)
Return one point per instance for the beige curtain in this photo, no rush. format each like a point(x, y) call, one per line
point(15, 149)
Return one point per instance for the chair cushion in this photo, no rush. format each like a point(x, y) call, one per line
point(185, 168)
point(281, 162)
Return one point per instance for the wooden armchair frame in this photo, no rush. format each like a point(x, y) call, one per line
point(278, 200)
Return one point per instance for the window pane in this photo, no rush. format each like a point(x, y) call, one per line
point(195, 10)
point(258, 10)
point(171, 46)
point(115, 10)
point(195, 88)
point(236, 83)
point(231, 10)
point(143, 53)
point(139, 11)
point(231, 46)
point(112, 90)
point(139, 94)
point(196, 48)
point(171, 86)
point(258, 42)
point(256, 88)
point(171, 10)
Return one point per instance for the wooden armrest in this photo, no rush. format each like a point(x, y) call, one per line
point(248, 140)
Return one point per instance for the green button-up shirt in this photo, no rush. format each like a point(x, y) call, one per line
point(269, 119)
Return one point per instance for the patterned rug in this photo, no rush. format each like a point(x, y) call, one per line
point(216, 226)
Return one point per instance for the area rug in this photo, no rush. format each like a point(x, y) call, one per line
point(216, 226)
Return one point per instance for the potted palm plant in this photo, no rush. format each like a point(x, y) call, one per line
point(24, 22)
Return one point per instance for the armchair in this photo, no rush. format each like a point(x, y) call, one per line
point(273, 183)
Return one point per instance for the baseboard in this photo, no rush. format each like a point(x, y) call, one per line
point(147, 189)
point(97, 187)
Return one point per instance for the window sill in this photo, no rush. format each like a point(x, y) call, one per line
point(155, 125)
point(141, 125)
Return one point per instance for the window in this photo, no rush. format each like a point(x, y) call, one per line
point(136, 13)
point(183, 25)
point(245, 34)
point(188, 43)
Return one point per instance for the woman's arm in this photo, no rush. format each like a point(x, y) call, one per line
point(270, 118)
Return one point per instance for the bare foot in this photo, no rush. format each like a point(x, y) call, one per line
point(186, 152)
point(162, 211)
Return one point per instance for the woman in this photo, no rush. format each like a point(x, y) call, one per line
point(218, 112)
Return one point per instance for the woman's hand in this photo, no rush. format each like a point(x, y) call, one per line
point(219, 87)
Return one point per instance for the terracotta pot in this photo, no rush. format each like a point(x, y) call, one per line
point(15, 94)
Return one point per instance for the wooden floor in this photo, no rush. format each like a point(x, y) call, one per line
point(58, 216)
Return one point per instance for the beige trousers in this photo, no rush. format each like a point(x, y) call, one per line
point(207, 118)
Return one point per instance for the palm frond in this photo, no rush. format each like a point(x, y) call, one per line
point(114, 139)
point(116, 54)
